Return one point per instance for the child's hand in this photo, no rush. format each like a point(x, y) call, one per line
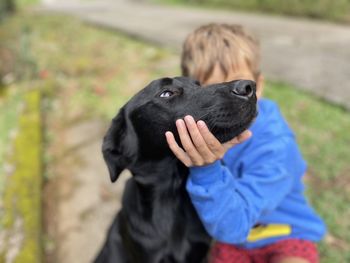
point(200, 145)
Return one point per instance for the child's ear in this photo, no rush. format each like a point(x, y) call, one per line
point(259, 86)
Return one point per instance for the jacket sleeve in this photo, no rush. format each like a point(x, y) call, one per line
point(230, 205)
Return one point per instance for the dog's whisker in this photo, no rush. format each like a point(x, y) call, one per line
point(204, 115)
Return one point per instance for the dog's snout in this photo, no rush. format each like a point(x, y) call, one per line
point(243, 88)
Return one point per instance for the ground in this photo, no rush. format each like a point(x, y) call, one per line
point(85, 81)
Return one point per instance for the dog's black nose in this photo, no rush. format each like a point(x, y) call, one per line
point(243, 88)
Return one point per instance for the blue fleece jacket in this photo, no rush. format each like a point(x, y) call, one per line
point(258, 182)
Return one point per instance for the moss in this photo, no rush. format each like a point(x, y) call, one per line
point(2, 257)
point(22, 195)
point(9, 114)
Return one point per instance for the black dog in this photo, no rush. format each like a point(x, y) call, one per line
point(157, 222)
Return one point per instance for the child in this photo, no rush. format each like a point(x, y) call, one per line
point(250, 197)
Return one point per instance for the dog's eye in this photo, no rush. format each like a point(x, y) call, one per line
point(166, 94)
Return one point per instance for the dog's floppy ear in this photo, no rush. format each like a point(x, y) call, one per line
point(112, 147)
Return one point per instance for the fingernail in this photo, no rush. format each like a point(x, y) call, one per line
point(180, 123)
point(188, 118)
point(245, 135)
point(201, 124)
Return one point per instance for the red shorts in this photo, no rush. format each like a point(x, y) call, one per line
point(224, 253)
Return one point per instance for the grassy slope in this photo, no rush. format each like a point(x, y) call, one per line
point(322, 131)
point(95, 73)
point(334, 10)
point(21, 217)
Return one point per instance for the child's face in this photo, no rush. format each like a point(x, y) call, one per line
point(242, 72)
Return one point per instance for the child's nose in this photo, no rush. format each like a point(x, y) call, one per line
point(243, 88)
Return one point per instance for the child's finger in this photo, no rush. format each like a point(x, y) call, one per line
point(213, 144)
point(187, 143)
point(238, 139)
point(198, 140)
point(177, 150)
point(244, 136)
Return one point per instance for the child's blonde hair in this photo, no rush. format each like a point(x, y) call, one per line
point(219, 44)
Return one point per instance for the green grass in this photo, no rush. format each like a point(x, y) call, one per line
point(90, 73)
point(26, 3)
point(7, 7)
point(334, 10)
point(322, 131)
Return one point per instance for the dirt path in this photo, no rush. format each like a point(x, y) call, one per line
point(83, 200)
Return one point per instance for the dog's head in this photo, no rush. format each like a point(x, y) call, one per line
point(138, 131)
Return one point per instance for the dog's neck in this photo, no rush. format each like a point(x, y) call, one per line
point(156, 204)
point(158, 183)
point(163, 175)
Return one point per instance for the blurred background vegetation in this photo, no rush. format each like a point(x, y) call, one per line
point(6, 6)
point(335, 10)
point(93, 75)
